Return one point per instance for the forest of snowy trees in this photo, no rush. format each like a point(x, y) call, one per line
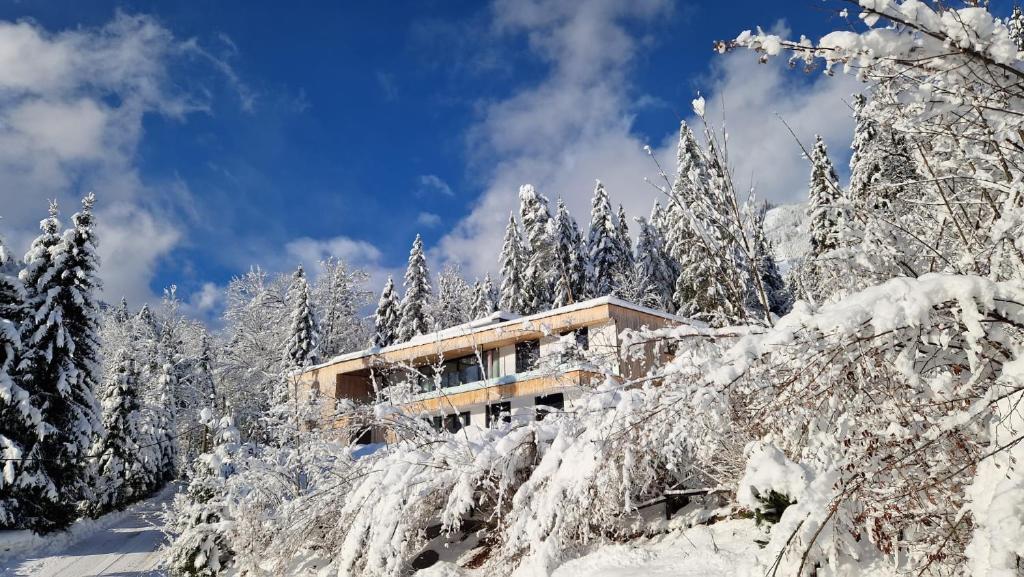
point(860, 410)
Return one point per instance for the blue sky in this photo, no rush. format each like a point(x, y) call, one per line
point(218, 135)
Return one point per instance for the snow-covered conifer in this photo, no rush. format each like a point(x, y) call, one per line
point(483, 298)
point(415, 307)
point(18, 414)
point(339, 293)
point(513, 268)
point(200, 547)
point(454, 298)
point(654, 267)
point(688, 188)
point(386, 319)
point(120, 467)
point(163, 418)
point(59, 363)
point(602, 244)
point(712, 283)
point(779, 298)
point(624, 245)
point(824, 202)
point(1015, 24)
point(303, 347)
point(539, 274)
point(570, 258)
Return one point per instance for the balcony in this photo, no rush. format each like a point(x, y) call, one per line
point(487, 391)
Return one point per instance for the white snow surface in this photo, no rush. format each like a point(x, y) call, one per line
point(125, 543)
point(723, 549)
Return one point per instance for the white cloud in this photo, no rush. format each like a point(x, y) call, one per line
point(72, 105)
point(206, 299)
point(131, 240)
point(309, 251)
point(432, 182)
point(428, 219)
point(356, 253)
point(575, 125)
point(71, 131)
point(756, 99)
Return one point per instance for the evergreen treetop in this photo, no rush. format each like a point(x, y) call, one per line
point(415, 317)
point(513, 267)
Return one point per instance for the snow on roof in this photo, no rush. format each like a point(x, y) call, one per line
point(499, 319)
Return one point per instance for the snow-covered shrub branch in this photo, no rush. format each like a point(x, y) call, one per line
point(897, 407)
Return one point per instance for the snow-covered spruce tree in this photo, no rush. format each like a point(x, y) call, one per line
point(59, 364)
point(142, 333)
point(602, 245)
point(824, 199)
point(658, 220)
point(513, 268)
point(302, 350)
point(18, 415)
point(828, 219)
point(205, 385)
point(1015, 26)
point(540, 266)
point(483, 298)
point(303, 346)
point(163, 415)
point(688, 187)
point(200, 547)
point(570, 258)
point(624, 245)
point(454, 302)
point(122, 475)
point(713, 276)
point(654, 267)
point(661, 228)
point(339, 293)
point(779, 298)
point(883, 172)
point(386, 319)
point(415, 308)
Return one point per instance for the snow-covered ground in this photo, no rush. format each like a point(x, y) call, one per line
point(723, 549)
point(125, 544)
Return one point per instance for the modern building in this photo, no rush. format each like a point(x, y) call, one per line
point(497, 369)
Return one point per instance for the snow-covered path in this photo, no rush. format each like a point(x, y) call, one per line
point(125, 545)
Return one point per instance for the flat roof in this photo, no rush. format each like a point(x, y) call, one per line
point(499, 319)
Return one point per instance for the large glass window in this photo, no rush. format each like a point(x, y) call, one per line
point(454, 372)
point(527, 355)
point(469, 370)
point(499, 413)
point(492, 362)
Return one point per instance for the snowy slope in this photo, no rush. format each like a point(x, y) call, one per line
point(122, 543)
point(786, 227)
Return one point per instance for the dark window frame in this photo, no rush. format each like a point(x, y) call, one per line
point(545, 404)
point(500, 411)
point(527, 355)
point(455, 422)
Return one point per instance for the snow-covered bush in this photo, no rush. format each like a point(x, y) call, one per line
point(199, 517)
